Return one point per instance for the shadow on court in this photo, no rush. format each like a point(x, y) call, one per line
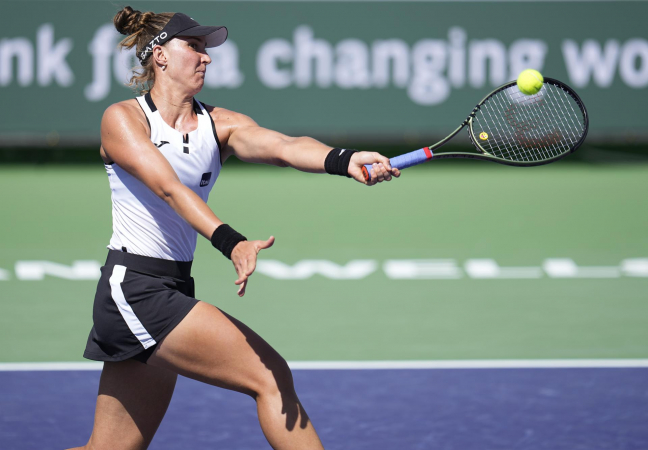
point(362, 409)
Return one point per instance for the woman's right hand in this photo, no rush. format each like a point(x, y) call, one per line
point(381, 168)
point(244, 258)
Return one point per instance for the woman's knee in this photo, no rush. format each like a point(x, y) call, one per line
point(275, 379)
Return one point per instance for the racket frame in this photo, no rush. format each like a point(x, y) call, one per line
point(484, 155)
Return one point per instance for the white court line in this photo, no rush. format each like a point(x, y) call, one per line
point(470, 364)
point(384, 365)
point(30, 366)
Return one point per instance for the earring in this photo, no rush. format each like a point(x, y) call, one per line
point(163, 68)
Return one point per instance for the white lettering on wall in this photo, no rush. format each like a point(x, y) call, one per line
point(633, 63)
point(491, 52)
point(312, 53)
point(428, 69)
point(599, 63)
point(457, 56)
point(21, 51)
point(270, 54)
point(49, 65)
point(394, 54)
point(101, 47)
point(352, 68)
point(428, 86)
point(51, 58)
point(591, 61)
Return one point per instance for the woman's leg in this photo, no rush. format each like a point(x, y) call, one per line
point(133, 398)
point(213, 347)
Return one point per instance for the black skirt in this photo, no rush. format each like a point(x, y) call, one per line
point(139, 301)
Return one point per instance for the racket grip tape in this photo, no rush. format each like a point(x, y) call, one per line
point(403, 161)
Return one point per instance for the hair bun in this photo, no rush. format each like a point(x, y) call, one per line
point(129, 21)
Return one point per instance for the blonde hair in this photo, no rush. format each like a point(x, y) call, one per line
point(140, 29)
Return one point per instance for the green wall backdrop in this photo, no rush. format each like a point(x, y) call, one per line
point(371, 70)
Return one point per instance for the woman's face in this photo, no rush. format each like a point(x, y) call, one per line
point(187, 61)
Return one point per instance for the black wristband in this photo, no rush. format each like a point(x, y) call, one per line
point(225, 239)
point(337, 161)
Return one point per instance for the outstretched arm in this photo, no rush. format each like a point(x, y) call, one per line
point(251, 143)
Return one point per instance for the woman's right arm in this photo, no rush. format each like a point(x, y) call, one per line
point(126, 142)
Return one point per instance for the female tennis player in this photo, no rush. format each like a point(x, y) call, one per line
point(163, 152)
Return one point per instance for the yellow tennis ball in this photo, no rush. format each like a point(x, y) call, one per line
point(530, 81)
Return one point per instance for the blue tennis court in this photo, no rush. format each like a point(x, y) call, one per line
point(463, 409)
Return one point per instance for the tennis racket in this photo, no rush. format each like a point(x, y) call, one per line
point(509, 127)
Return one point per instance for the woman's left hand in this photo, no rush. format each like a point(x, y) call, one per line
point(381, 169)
point(244, 258)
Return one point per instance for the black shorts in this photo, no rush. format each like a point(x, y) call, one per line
point(139, 301)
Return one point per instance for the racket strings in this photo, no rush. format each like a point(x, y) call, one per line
point(524, 131)
point(528, 128)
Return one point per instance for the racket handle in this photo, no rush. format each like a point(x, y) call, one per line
point(403, 161)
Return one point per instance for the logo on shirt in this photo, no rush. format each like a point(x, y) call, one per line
point(161, 144)
point(205, 179)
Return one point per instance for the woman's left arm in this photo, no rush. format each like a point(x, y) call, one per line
point(251, 143)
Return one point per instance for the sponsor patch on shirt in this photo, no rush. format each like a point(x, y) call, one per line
point(204, 181)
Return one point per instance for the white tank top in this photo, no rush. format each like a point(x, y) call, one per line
point(143, 223)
